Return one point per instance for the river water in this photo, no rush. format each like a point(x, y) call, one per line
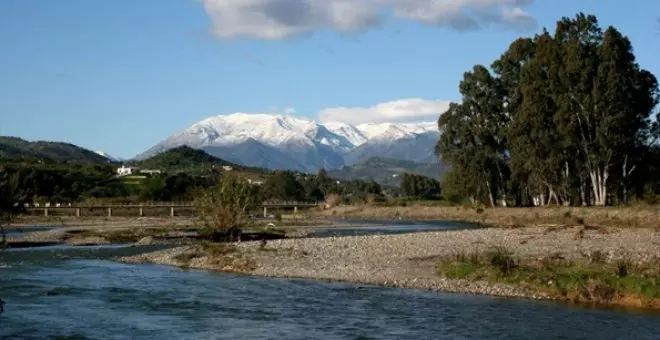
point(79, 293)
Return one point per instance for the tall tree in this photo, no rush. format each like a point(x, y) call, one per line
point(604, 98)
point(473, 139)
point(563, 118)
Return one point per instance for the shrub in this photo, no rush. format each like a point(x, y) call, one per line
point(224, 209)
point(332, 200)
point(502, 259)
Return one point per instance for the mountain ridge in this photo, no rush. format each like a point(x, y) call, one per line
point(15, 148)
point(281, 141)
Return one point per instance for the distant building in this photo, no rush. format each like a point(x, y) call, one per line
point(255, 182)
point(150, 172)
point(227, 168)
point(126, 170)
point(131, 170)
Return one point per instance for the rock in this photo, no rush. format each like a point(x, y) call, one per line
point(145, 241)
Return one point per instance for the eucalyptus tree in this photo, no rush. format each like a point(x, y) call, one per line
point(473, 141)
point(604, 99)
point(564, 117)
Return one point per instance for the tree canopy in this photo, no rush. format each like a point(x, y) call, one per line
point(564, 117)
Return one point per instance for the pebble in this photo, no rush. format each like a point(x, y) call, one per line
point(406, 260)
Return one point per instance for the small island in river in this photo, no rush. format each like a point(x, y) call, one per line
point(574, 262)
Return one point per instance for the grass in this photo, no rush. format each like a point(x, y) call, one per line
point(632, 216)
point(590, 280)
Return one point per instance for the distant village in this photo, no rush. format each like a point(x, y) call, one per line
point(124, 171)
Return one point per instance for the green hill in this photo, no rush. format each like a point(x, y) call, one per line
point(187, 159)
point(17, 149)
point(386, 171)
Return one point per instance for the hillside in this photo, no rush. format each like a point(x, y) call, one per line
point(386, 171)
point(14, 149)
point(194, 161)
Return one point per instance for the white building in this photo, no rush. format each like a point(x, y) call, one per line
point(125, 171)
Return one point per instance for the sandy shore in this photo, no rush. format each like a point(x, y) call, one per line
point(408, 260)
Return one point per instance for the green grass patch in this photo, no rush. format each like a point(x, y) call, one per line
point(587, 280)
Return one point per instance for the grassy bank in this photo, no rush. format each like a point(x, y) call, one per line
point(638, 216)
point(592, 279)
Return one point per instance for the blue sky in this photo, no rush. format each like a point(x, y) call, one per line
point(121, 75)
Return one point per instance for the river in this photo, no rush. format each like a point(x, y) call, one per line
point(79, 293)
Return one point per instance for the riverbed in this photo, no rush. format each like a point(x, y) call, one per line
point(82, 293)
point(78, 293)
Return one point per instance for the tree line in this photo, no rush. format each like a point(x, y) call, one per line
point(75, 183)
point(564, 117)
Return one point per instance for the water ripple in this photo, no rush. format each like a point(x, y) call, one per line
point(62, 294)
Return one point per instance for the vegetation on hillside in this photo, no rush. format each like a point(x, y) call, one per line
point(189, 160)
point(71, 183)
point(563, 117)
point(13, 148)
point(386, 171)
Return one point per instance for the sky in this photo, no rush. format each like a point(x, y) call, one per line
point(121, 75)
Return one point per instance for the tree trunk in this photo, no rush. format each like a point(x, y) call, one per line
point(625, 179)
point(599, 186)
point(491, 195)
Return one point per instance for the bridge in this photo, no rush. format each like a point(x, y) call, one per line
point(172, 208)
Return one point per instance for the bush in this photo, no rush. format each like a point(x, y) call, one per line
point(224, 209)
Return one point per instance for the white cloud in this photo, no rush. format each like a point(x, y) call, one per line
point(402, 110)
point(280, 19)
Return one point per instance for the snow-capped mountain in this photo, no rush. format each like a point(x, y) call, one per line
point(109, 157)
point(286, 142)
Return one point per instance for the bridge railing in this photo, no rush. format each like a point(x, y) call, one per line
point(160, 204)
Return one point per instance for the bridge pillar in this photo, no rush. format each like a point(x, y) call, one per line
point(141, 212)
point(45, 211)
point(265, 212)
point(171, 211)
point(109, 212)
point(77, 212)
point(295, 209)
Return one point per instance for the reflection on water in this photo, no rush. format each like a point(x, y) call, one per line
point(80, 294)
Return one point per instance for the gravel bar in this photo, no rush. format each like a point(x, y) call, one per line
point(408, 260)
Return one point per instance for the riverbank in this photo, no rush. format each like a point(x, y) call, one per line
point(412, 260)
point(142, 230)
point(639, 216)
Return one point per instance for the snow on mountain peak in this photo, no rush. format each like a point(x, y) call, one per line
point(266, 128)
point(109, 157)
point(299, 136)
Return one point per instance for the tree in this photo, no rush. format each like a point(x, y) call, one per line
point(11, 200)
point(224, 209)
point(473, 140)
point(562, 118)
point(283, 186)
point(604, 98)
point(419, 186)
